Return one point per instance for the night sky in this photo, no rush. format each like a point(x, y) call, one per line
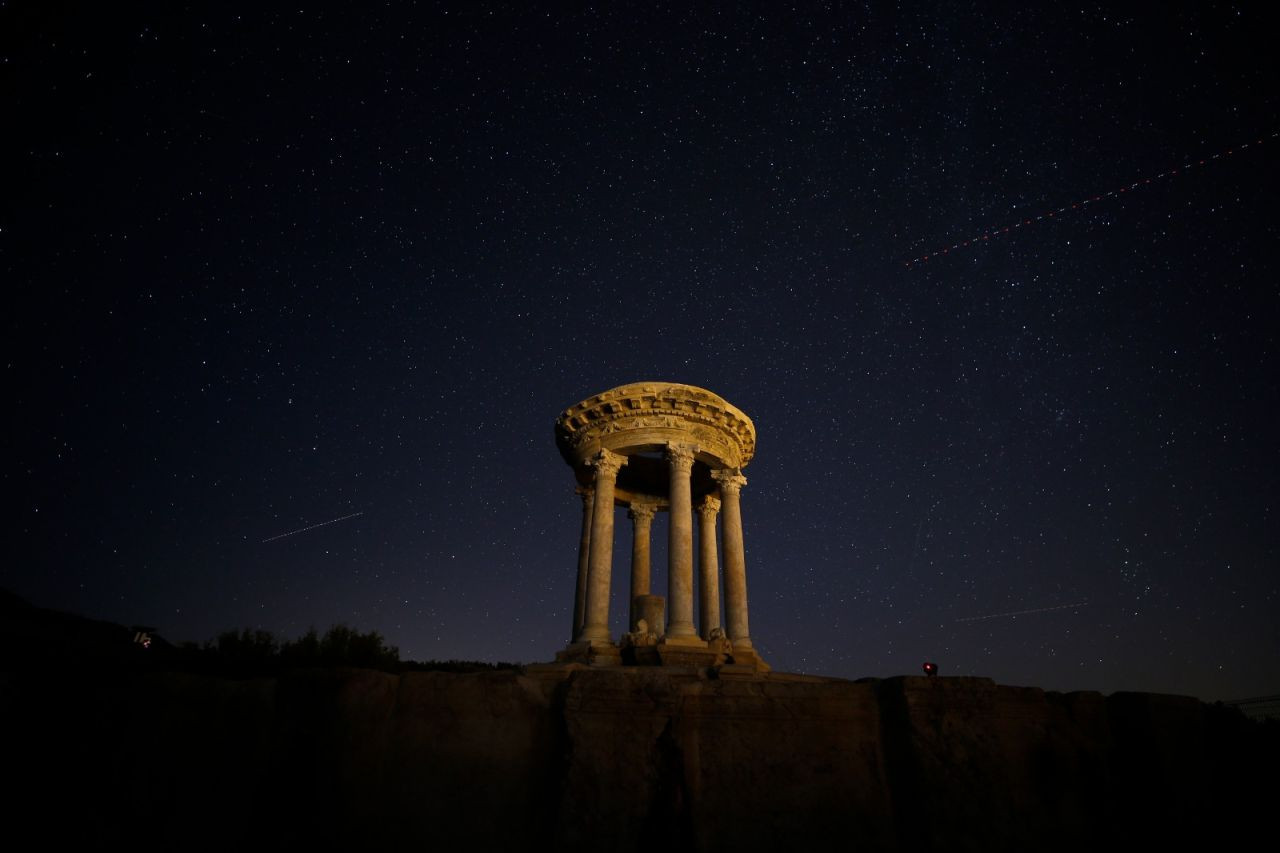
point(266, 268)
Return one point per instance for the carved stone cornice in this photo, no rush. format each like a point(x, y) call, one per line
point(652, 414)
point(730, 479)
point(607, 463)
point(708, 508)
point(642, 512)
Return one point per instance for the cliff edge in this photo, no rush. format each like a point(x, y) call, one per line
point(624, 759)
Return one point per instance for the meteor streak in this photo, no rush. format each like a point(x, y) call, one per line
point(312, 527)
point(1023, 612)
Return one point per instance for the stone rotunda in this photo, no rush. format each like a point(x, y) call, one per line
point(660, 447)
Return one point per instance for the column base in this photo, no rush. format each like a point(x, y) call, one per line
point(668, 651)
point(682, 632)
point(590, 652)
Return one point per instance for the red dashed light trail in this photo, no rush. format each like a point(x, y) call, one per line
point(1079, 205)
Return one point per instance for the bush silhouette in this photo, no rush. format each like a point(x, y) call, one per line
point(249, 652)
point(341, 646)
point(256, 653)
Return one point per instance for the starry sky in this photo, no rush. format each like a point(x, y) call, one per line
point(268, 266)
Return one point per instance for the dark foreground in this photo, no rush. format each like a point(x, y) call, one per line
point(628, 759)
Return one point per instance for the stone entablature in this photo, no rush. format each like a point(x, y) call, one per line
point(661, 447)
point(648, 416)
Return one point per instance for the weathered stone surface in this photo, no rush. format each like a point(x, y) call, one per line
point(625, 759)
point(651, 415)
point(769, 763)
point(613, 441)
point(967, 757)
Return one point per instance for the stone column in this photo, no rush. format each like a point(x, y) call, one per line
point(735, 565)
point(680, 543)
point(584, 554)
point(600, 568)
point(641, 514)
point(708, 571)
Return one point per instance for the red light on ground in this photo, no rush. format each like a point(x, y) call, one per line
point(930, 669)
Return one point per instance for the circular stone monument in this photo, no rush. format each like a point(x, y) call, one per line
point(660, 447)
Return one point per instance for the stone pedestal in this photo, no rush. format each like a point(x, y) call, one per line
point(652, 609)
point(592, 653)
point(683, 653)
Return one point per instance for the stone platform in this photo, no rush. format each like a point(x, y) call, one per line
point(666, 652)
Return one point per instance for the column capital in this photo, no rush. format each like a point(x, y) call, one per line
point(607, 463)
point(709, 507)
point(642, 511)
point(587, 493)
point(730, 479)
point(680, 456)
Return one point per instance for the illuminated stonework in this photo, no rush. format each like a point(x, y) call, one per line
point(654, 447)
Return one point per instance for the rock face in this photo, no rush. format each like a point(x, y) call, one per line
point(623, 759)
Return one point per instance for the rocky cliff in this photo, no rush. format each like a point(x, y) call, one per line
point(623, 759)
